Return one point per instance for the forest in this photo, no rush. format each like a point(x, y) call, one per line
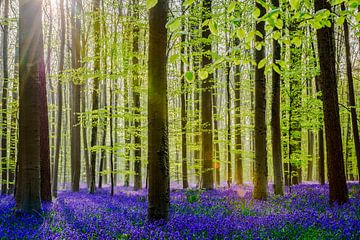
point(179, 119)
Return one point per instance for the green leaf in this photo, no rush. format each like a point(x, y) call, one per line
point(279, 23)
point(173, 58)
point(337, 2)
point(340, 21)
point(150, 4)
point(277, 35)
point(174, 24)
point(203, 74)
point(231, 7)
point(256, 13)
point(276, 68)
point(295, 4)
point(258, 46)
point(213, 27)
point(189, 76)
point(240, 33)
point(296, 41)
point(262, 63)
point(188, 3)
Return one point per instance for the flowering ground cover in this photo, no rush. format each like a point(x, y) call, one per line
point(219, 214)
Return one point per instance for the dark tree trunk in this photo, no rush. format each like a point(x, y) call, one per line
point(158, 152)
point(95, 95)
point(136, 100)
point(275, 119)
point(228, 113)
point(207, 178)
point(44, 133)
point(31, 71)
point(260, 175)
point(352, 104)
point(328, 84)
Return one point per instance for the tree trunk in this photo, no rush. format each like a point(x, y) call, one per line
point(60, 100)
point(334, 148)
point(30, 74)
point(238, 145)
point(95, 96)
point(275, 119)
point(136, 100)
point(352, 104)
point(207, 180)
point(228, 112)
point(260, 175)
point(4, 159)
point(75, 102)
point(216, 139)
point(158, 152)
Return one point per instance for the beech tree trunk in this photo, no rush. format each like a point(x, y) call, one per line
point(260, 173)
point(207, 178)
point(328, 84)
point(275, 119)
point(4, 144)
point(75, 94)
point(31, 70)
point(352, 104)
point(158, 147)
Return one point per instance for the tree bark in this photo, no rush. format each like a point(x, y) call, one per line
point(352, 104)
point(260, 175)
point(75, 102)
point(207, 178)
point(4, 159)
point(30, 74)
point(158, 148)
point(95, 96)
point(328, 84)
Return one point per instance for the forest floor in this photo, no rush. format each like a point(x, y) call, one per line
point(219, 214)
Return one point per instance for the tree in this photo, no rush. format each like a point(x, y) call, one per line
point(75, 101)
point(260, 173)
point(95, 94)
point(275, 119)
point(183, 99)
point(158, 152)
point(4, 159)
point(352, 104)
point(206, 103)
point(31, 70)
point(136, 100)
point(328, 84)
point(60, 100)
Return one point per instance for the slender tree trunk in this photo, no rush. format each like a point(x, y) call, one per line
point(238, 145)
point(334, 148)
point(4, 159)
point(95, 95)
point(75, 102)
point(127, 135)
point(136, 100)
point(216, 139)
point(60, 100)
point(275, 119)
point(260, 175)
point(184, 90)
point(352, 104)
point(228, 112)
point(158, 152)
point(207, 180)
